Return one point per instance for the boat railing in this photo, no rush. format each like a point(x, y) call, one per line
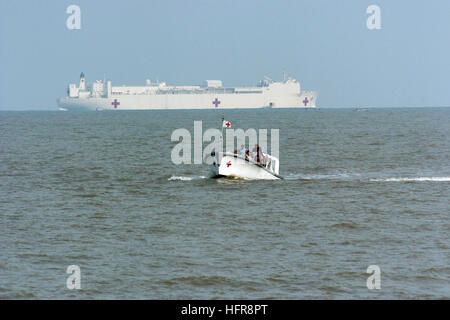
point(271, 163)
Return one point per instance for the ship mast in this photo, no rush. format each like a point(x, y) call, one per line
point(221, 135)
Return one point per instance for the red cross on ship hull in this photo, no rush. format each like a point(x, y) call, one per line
point(216, 102)
point(115, 103)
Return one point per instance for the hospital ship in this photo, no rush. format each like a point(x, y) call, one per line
point(102, 95)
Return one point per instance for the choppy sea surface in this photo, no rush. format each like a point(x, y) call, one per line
point(99, 190)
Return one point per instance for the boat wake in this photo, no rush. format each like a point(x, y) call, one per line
point(337, 176)
point(331, 177)
point(183, 178)
point(417, 179)
point(361, 177)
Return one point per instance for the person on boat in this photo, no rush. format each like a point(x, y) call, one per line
point(243, 150)
point(257, 152)
point(261, 156)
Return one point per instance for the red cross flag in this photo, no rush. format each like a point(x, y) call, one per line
point(226, 124)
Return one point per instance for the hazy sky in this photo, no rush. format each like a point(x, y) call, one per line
point(323, 44)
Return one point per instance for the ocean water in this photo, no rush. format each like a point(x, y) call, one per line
point(98, 190)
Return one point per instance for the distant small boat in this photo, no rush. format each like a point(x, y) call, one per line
point(62, 109)
point(244, 167)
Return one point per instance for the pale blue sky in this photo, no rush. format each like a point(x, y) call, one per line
point(324, 44)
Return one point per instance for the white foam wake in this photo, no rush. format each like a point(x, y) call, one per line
point(363, 177)
point(418, 179)
point(181, 178)
point(337, 176)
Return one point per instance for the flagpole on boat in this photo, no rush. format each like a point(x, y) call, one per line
point(221, 135)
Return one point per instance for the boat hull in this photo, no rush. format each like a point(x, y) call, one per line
point(194, 102)
point(239, 167)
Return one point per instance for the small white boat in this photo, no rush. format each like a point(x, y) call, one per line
point(245, 166)
point(238, 166)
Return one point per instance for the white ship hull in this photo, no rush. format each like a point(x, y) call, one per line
point(236, 166)
point(103, 96)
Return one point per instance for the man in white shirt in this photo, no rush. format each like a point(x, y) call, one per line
point(243, 150)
